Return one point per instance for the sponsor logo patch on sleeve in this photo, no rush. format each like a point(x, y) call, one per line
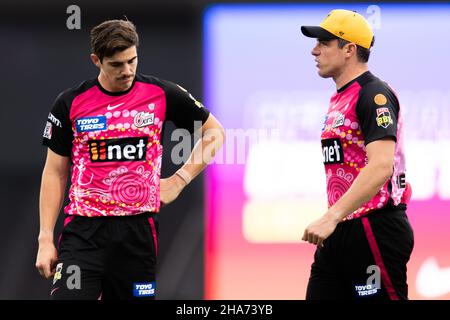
point(54, 119)
point(380, 99)
point(48, 130)
point(384, 118)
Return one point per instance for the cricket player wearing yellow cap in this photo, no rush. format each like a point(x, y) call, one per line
point(364, 240)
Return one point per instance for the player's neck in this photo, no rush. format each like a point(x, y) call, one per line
point(350, 74)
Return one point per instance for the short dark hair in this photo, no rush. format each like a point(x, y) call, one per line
point(362, 53)
point(113, 36)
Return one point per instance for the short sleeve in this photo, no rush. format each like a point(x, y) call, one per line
point(58, 135)
point(183, 109)
point(377, 110)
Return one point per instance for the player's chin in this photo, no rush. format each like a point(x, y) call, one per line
point(323, 73)
point(124, 84)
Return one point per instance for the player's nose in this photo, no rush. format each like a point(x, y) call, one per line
point(127, 71)
point(315, 51)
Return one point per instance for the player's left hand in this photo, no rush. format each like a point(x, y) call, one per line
point(170, 188)
point(319, 230)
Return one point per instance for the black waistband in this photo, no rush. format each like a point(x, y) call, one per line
point(125, 217)
point(387, 210)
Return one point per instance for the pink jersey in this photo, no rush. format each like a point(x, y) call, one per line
point(363, 111)
point(114, 141)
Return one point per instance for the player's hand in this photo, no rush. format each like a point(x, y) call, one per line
point(319, 230)
point(170, 188)
point(46, 259)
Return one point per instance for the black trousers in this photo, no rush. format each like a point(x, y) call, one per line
point(364, 258)
point(107, 258)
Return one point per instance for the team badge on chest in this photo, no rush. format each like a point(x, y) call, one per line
point(145, 118)
point(339, 120)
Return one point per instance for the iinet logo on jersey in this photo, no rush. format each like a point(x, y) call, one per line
point(125, 149)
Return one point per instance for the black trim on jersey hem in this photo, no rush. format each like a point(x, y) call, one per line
point(110, 93)
point(388, 208)
point(358, 79)
point(375, 138)
point(51, 147)
point(391, 206)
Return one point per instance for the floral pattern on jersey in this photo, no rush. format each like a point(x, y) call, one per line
point(337, 184)
point(342, 123)
point(113, 186)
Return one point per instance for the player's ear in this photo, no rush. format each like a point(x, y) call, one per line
point(350, 49)
point(95, 60)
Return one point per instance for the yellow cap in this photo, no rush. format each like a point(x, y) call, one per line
point(344, 24)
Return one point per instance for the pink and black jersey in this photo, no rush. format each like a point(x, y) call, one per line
point(363, 111)
point(114, 141)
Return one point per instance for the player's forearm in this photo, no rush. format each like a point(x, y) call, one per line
point(365, 187)
point(204, 151)
point(50, 202)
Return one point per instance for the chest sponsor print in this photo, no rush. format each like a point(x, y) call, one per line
point(332, 151)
